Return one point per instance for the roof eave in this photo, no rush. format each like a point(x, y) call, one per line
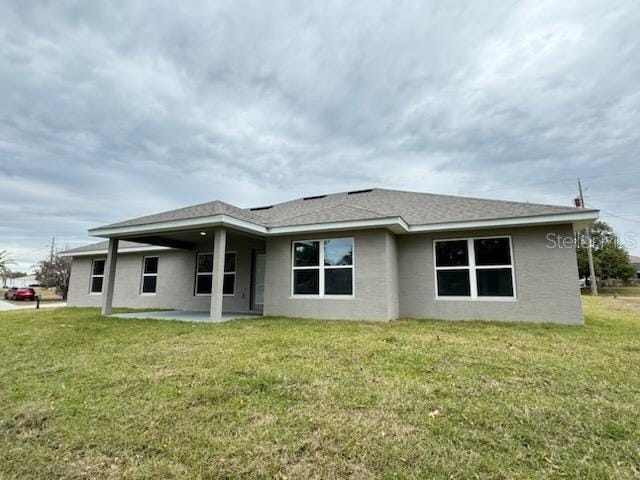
point(579, 220)
point(103, 251)
point(177, 225)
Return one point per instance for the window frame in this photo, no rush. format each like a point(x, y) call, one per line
point(144, 259)
point(321, 269)
point(198, 274)
point(92, 275)
point(473, 268)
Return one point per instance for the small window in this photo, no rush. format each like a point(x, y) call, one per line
point(323, 267)
point(97, 276)
point(306, 282)
point(307, 254)
point(495, 282)
point(492, 251)
point(474, 268)
point(204, 274)
point(454, 283)
point(149, 275)
point(453, 253)
point(229, 282)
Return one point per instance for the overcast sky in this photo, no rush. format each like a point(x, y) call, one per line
point(111, 111)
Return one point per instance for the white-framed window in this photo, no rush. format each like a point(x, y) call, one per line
point(149, 280)
point(321, 268)
point(478, 268)
point(97, 276)
point(204, 274)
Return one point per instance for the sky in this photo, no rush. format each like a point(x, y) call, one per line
point(112, 110)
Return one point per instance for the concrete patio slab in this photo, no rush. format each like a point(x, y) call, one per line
point(185, 316)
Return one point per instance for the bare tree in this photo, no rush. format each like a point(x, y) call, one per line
point(5, 262)
point(54, 272)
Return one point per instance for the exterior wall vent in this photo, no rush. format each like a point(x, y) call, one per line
point(267, 207)
point(355, 192)
point(315, 197)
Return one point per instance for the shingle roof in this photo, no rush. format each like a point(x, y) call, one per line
point(415, 208)
point(122, 245)
point(634, 260)
point(195, 211)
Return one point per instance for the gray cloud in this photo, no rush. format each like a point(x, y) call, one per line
point(112, 111)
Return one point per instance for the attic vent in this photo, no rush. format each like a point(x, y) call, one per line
point(267, 207)
point(314, 197)
point(355, 192)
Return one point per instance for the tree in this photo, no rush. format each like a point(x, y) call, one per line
point(610, 258)
point(5, 262)
point(54, 272)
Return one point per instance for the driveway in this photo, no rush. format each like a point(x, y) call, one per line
point(6, 306)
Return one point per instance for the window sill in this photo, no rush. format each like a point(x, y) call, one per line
point(208, 295)
point(322, 297)
point(147, 294)
point(95, 293)
point(477, 299)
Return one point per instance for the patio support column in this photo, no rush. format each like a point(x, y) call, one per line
point(109, 276)
point(219, 249)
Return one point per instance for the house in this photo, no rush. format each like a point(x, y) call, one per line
point(635, 261)
point(26, 281)
point(370, 254)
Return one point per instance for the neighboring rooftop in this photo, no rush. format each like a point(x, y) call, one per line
point(634, 260)
point(413, 207)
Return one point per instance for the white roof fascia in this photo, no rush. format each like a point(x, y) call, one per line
point(396, 224)
point(573, 218)
point(85, 253)
point(174, 225)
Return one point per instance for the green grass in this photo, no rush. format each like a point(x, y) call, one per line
point(82, 396)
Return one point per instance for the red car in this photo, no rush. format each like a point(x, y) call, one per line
point(25, 294)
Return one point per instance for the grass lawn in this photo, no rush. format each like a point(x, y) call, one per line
point(82, 396)
point(620, 291)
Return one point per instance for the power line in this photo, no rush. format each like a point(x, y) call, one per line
point(611, 214)
point(550, 182)
point(621, 218)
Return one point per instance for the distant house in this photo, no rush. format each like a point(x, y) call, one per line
point(635, 261)
point(26, 281)
point(366, 254)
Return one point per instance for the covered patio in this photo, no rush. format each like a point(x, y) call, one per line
point(212, 235)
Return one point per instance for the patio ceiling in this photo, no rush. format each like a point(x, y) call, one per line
point(182, 239)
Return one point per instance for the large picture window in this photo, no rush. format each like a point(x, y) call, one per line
point(149, 275)
point(323, 267)
point(204, 274)
point(97, 276)
point(474, 268)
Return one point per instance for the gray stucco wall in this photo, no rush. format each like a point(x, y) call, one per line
point(374, 282)
point(393, 293)
point(394, 277)
point(176, 277)
point(546, 280)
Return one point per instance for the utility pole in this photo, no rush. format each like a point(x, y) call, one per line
point(592, 270)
